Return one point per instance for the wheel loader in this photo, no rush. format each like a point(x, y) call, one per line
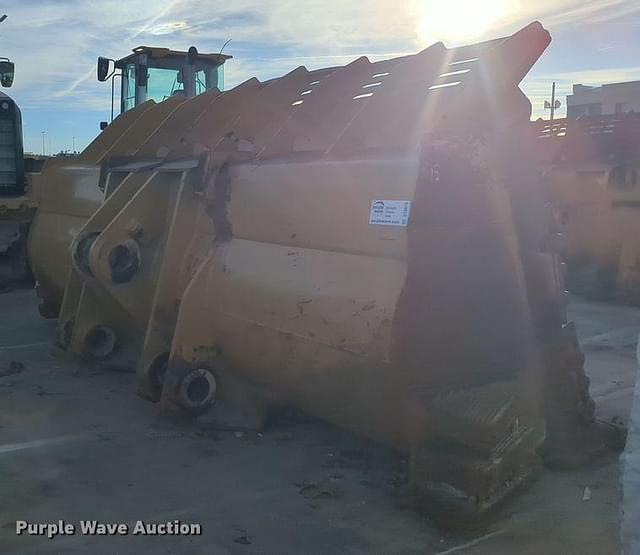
point(20, 191)
point(368, 243)
point(16, 203)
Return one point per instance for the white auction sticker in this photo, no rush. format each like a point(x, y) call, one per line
point(390, 212)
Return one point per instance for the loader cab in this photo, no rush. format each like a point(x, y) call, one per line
point(12, 182)
point(159, 73)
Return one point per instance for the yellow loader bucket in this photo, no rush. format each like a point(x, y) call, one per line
point(368, 243)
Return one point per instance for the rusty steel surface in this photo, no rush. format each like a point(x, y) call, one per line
point(227, 248)
point(592, 173)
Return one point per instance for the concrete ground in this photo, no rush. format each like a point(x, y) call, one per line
point(631, 480)
point(76, 443)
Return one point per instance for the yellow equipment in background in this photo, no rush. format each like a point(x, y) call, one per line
point(69, 189)
point(368, 243)
point(17, 199)
point(592, 173)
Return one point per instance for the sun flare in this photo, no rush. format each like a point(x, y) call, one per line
point(459, 21)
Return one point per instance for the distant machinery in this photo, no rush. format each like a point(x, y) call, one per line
point(592, 170)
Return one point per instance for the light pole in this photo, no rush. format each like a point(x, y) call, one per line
point(554, 104)
point(43, 134)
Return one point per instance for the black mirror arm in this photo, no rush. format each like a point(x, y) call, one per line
point(113, 76)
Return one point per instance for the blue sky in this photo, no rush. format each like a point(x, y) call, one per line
point(55, 44)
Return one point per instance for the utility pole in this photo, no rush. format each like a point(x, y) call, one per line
point(554, 104)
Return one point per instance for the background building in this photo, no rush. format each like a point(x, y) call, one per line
point(614, 98)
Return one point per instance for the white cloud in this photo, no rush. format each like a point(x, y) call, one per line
point(597, 76)
point(64, 38)
point(169, 28)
